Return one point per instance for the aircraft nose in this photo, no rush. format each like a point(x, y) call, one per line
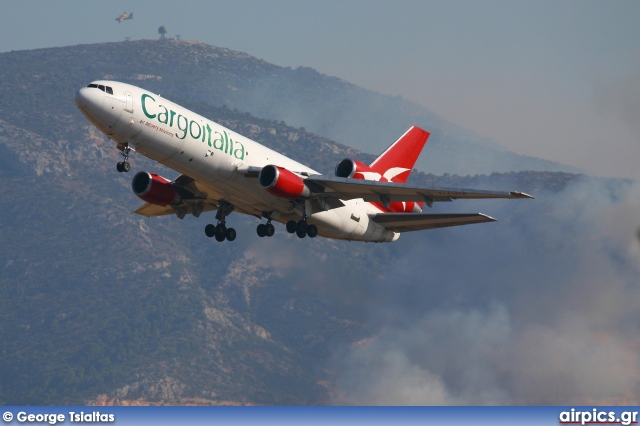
point(81, 98)
point(89, 100)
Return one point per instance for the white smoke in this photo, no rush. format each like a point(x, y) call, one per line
point(540, 308)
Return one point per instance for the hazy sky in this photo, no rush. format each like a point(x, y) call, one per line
point(557, 80)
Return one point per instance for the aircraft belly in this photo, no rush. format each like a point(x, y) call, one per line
point(331, 223)
point(219, 174)
point(351, 222)
point(249, 192)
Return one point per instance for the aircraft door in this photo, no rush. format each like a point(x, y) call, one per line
point(128, 106)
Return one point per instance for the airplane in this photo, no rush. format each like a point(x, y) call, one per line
point(223, 171)
point(124, 17)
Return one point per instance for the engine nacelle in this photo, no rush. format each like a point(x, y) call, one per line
point(350, 168)
point(154, 189)
point(283, 183)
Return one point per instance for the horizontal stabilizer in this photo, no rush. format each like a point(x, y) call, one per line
point(403, 222)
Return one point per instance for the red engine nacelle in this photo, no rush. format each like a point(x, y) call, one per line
point(350, 168)
point(283, 183)
point(154, 189)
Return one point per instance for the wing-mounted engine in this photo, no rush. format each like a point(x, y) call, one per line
point(283, 183)
point(155, 189)
point(350, 168)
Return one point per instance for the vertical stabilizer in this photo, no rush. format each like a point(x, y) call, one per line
point(395, 164)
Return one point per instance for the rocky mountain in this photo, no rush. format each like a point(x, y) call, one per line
point(102, 306)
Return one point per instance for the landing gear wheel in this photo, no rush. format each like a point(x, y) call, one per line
point(230, 234)
point(312, 231)
point(292, 225)
point(123, 166)
point(301, 227)
point(210, 230)
point(266, 230)
point(220, 232)
point(269, 230)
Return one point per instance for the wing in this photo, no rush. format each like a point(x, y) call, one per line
point(349, 188)
point(403, 222)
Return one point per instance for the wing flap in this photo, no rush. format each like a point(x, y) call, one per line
point(152, 210)
point(186, 207)
point(403, 222)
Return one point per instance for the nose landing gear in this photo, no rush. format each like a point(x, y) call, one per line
point(124, 166)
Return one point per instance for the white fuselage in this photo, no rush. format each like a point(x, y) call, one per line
point(215, 157)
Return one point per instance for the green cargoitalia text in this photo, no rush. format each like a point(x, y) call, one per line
point(198, 131)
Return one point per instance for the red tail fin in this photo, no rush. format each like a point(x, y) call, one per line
point(396, 162)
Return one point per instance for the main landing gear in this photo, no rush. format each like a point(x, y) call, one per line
point(220, 231)
point(302, 228)
point(124, 166)
point(266, 229)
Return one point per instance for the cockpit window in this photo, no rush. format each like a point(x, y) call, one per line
point(106, 89)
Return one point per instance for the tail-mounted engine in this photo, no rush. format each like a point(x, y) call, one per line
point(350, 168)
point(154, 189)
point(283, 183)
